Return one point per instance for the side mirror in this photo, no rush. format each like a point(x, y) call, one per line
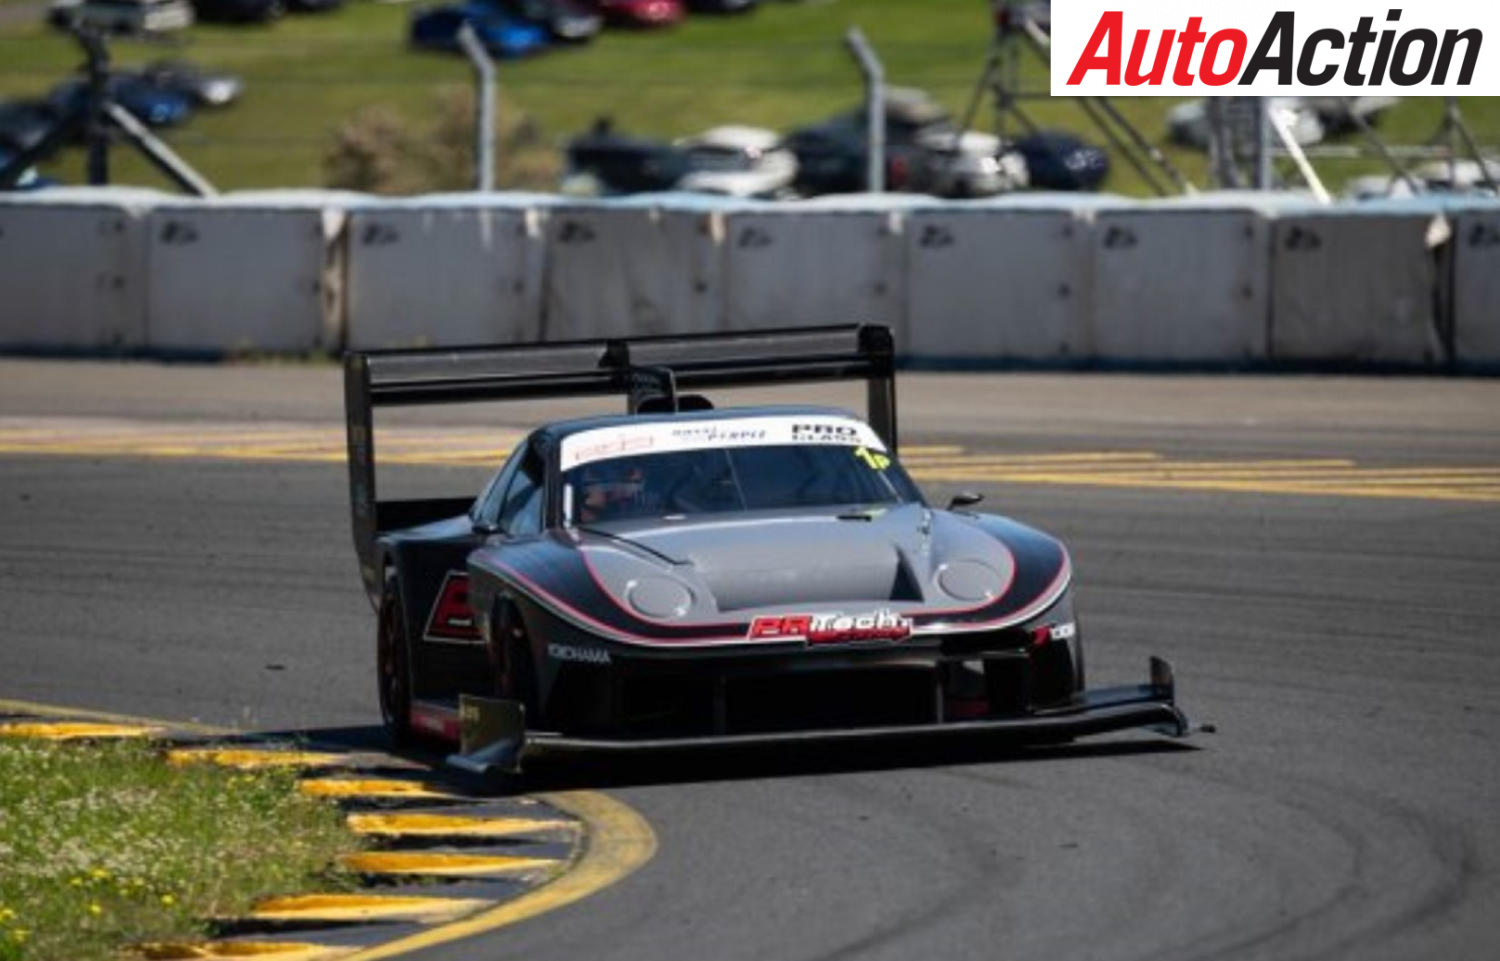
point(486, 528)
point(964, 499)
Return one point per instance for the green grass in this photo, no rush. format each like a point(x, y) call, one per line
point(782, 66)
point(102, 846)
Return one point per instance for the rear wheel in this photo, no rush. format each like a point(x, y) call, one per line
point(515, 668)
point(393, 665)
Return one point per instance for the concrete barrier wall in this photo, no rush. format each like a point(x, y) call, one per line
point(246, 277)
point(631, 269)
point(443, 276)
point(73, 275)
point(996, 283)
point(1049, 279)
point(1476, 287)
point(1351, 288)
point(1179, 285)
point(803, 264)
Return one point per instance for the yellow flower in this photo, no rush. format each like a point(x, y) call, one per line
point(76, 882)
point(19, 935)
point(99, 874)
point(167, 900)
point(94, 909)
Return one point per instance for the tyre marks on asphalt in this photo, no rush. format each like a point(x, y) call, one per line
point(439, 853)
point(933, 463)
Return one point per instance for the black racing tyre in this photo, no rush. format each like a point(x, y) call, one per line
point(393, 665)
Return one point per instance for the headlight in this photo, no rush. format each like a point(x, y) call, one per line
point(969, 581)
point(658, 597)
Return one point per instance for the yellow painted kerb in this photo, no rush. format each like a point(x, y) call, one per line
point(246, 758)
point(618, 841)
point(382, 788)
point(365, 907)
point(420, 824)
point(76, 730)
point(264, 950)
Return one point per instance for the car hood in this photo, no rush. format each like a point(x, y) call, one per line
point(904, 557)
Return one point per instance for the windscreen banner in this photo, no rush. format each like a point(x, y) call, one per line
point(1337, 48)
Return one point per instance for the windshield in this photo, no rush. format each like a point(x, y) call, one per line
point(711, 481)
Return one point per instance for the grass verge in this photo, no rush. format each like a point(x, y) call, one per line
point(105, 845)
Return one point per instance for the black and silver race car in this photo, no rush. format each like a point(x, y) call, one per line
point(680, 576)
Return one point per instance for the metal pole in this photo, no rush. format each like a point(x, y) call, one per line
point(96, 95)
point(1279, 121)
point(161, 156)
point(1262, 143)
point(484, 100)
point(1462, 130)
point(874, 73)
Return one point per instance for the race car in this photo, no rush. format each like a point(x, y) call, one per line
point(681, 576)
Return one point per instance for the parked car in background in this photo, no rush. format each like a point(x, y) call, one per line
point(30, 179)
point(603, 162)
point(149, 104)
point(1341, 115)
point(123, 16)
point(830, 159)
point(924, 152)
point(1058, 160)
point(24, 123)
point(570, 21)
point(503, 34)
point(970, 164)
point(202, 87)
point(240, 11)
point(721, 6)
point(314, 6)
point(831, 155)
point(738, 161)
point(62, 13)
point(642, 13)
point(1461, 177)
point(1188, 123)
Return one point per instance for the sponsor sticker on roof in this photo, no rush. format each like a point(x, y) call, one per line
point(663, 437)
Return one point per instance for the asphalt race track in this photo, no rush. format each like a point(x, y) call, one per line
point(1342, 639)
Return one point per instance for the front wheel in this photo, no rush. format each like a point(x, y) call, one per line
point(393, 665)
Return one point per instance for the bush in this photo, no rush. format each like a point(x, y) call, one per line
point(375, 151)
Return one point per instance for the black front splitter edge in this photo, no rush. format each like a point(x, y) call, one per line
point(1151, 706)
point(1160, 715)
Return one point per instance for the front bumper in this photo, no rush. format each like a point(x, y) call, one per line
point(494, 735)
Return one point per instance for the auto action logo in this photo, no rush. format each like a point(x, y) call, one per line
point(831, 628)
point(1329, 47)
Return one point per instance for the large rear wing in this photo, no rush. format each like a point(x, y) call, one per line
point(646, 370)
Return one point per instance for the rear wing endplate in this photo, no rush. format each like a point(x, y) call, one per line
point(638, 368)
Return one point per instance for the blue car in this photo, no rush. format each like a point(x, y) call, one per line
point(148, 103)
point(503, 34)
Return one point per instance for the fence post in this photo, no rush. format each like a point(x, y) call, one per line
point(484, 107)
point(869, 65)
